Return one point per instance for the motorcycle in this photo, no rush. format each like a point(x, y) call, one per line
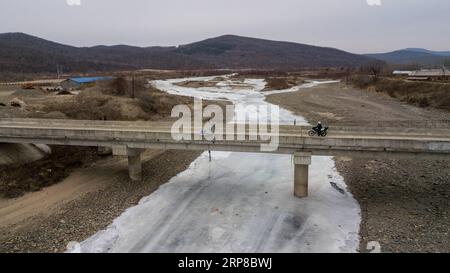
point(314, 131)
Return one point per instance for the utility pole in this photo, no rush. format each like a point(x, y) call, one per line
point(59, 70)
point(132, 86)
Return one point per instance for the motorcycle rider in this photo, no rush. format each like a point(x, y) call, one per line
point(319, 127)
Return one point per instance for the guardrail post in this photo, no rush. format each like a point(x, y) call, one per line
point(134, 164)
point(302, 161)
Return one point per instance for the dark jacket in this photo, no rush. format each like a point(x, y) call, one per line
point(319, 127)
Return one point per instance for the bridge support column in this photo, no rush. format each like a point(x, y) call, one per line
point(301, 174)
point(134, 164)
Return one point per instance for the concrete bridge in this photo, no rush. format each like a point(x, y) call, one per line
point(132, 138)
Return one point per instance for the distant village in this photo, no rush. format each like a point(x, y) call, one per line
point(59, 85)
point(71, 84)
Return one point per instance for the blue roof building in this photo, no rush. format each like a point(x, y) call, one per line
point(73, 83)
point(86, 80)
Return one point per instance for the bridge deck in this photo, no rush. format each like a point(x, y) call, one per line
point(411, 142)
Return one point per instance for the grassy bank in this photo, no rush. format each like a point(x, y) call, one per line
point(422, 94)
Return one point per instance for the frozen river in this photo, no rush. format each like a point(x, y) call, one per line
point(239, 202)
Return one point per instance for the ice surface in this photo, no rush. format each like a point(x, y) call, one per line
point(227, 91)
point(219, 206)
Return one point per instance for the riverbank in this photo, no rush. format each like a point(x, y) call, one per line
point(404, 203)
point(87, 201)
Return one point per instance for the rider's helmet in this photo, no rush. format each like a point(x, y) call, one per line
point(320, 122)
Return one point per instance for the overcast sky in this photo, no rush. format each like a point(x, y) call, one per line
point(360, 26)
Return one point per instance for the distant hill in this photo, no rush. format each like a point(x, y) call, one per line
point(231, 51)
point(439, 53)
point(418, 56)
point(22, 53)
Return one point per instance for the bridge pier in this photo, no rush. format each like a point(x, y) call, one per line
point(301, 173)
point(134, 164)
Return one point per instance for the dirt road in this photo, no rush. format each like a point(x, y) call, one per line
point(405, 204)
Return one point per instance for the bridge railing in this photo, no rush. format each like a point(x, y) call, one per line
point(431, 124)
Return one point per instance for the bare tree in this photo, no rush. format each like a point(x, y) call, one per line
point(119, 86)
point(348, 71)
point(375, 69)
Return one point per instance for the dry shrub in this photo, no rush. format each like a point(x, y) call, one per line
point(444, 103)
point(155, 102)
point(98, 104)
point(277, 83)
point(123, 86)
point(116, 87)
point(362, 81)
point(423, 102)
point(89, 105)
